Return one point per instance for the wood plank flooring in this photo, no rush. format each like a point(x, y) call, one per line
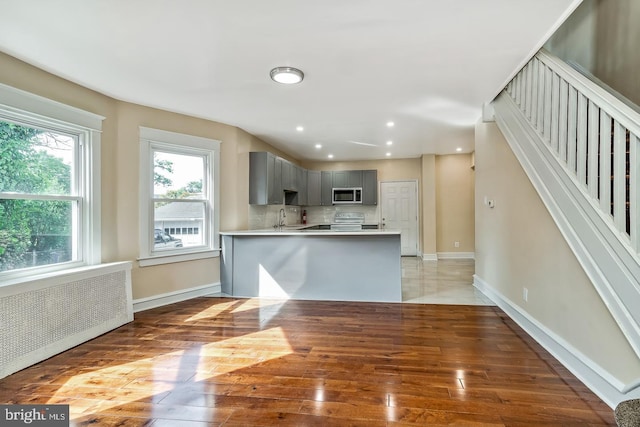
point(233, 362)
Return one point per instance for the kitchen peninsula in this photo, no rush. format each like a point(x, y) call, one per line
point(312, 264)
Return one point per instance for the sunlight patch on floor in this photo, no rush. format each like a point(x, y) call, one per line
point(127, 382)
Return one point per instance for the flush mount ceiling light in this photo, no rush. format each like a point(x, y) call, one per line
point(287, 75)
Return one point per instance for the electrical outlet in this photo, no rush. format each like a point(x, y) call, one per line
point(456, 244)
point(525, 294)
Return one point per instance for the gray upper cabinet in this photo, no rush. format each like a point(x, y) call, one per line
point(302, 186)
point(265, 179)
point(339, 179)
point(288, 176)
point(347, 179)
point(326, 186)
point(354, 179)
point(274, 181)
point(314, 185)
point(370, 187)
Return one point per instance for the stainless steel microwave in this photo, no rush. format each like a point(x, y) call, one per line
point(347, 195)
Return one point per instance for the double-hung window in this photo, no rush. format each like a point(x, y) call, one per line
point(179, 197)
point(49, 185)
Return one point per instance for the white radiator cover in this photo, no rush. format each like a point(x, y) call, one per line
point(44, 316)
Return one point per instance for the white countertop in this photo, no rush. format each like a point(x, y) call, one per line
point(298, 230)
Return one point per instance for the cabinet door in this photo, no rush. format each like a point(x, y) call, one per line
point(274, 180)
point(370, 187)
point(326, 187)
point(296, 178)
point(303, 195)
point(354, 178)
point(286, 175)
point(314, 183)
point(258, 178)
point(340, 179)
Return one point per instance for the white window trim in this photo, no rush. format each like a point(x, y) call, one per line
point(148, 138)
point(30, 109)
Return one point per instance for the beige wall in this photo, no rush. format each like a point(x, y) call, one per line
point(428, 196)
point(575, 39)
point(120, 164)
point(519, 246)
point(454, 203)
point(601, 36)
point(616, 51)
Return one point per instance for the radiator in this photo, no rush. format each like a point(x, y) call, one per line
point(41, 317)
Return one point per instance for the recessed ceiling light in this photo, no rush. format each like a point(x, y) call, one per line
point(388, 154)
point(286, 75)
point(389, 142)
point(330, 156)
point(318, 146)
point(299, 128)
point(458, 149)
point(390, 124)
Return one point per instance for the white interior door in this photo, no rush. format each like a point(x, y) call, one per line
point(399, 211)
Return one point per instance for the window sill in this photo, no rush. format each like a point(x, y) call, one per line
point(60, 276)
point(169, 259)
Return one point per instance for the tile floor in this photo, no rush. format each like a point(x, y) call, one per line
point(447, 281)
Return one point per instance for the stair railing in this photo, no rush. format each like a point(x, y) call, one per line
point(590, 132)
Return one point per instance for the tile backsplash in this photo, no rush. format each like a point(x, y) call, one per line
point(263, 217)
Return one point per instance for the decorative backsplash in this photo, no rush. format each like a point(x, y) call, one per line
point(266, 216)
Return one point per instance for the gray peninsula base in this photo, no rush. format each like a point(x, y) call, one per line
point(333, 266)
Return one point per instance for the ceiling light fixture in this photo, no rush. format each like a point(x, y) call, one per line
point(299, 128)
point(390, 124)
point(458, 149)
point(388, 154)
point(286, 75)
point(389, 142)
point(318, 146)
point(330, 156)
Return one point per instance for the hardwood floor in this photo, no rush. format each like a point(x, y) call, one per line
point(231, 362)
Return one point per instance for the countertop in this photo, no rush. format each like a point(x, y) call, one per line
point(299, 230)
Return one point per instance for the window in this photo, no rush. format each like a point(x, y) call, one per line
point(179, 192)
point(49, 174)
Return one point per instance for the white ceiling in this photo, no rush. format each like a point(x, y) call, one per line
point(427, 65)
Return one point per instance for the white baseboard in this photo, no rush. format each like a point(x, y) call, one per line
point(175, 296)
point(456, 255)
point(429, 257)
point(609, 388)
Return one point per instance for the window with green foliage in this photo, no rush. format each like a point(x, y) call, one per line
point(39, 200)
point(49, 185)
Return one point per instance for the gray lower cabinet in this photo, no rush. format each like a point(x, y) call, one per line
point(370, 187)
point(265, 179)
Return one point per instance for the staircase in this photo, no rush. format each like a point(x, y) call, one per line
point(579, 146)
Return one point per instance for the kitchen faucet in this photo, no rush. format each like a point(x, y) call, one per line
point(281, 217)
